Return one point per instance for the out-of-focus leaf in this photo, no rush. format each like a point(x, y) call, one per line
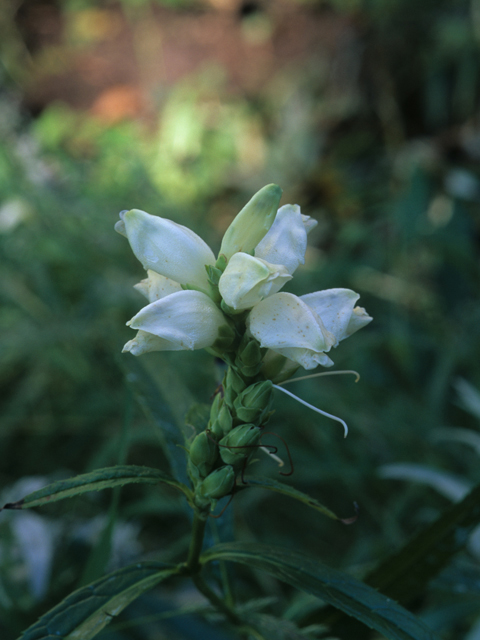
point(335, 587)
point(447, 484)
point(469, 396)
point(464, 436)
point(87, 611)
point(157, 410)
point(95, 481)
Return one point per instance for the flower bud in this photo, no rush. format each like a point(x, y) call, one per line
point(218, 484)
point(254, 402)
point(249, 357)
point(233, 384)
point(220, 418)
point(252, 223)
point(203, 453)
point(239, 443)
point(224, 339)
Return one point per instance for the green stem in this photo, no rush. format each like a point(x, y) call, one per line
point(194, 567)
point(198, 532)
point(217, 602)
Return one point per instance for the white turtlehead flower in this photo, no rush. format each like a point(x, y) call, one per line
point(286, 241)
point(247, 280)
point(304, 329)
point(180, 320)
point(168, 248)
point(260, 251)
point(286, 324)
point(336, 308)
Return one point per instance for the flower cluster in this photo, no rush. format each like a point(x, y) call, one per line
point(196, 300)
point(233, 306)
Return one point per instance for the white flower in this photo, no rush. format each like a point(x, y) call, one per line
point(181, 320)
point(286, 241)
point(260, 251)
point(247, 280)
point(336, 308)
point(304, 329)
point(168, 248)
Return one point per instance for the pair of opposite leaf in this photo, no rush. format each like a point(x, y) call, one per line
point(259, 253)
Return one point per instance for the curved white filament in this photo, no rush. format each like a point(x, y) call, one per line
point(324, 373)
point(310, 406)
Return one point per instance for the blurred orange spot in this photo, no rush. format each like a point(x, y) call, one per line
point(118, 103)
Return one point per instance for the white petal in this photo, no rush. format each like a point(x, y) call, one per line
point(335, 308)
point(185, 320)
point(359, 319)
point(287, 325)
point(156, 286)
point(145, 342)
point(168, 248)
point(309, 223)
point(247, 280)
point(286, 241)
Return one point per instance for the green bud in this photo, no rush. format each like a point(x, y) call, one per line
point(249, 357)
point(254, 402)
point(233, 384)
point(214, 425)
point(225, 419)
point(218, 484)
point(221, 263)
point(203, 453)
point(224, 340)
point(239, 443)
point(252, 223)
point(213, 274)
point(230, 311)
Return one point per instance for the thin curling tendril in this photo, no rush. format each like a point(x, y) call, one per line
point(323, 373)
point(310, 406)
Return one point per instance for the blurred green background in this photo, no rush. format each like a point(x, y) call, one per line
point(366, 113)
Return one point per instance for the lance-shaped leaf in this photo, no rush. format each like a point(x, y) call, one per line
point(85, 612)
point(152, 400)
point(107, 478)
point(405, 574)
point(279, 487)
point(335, 587)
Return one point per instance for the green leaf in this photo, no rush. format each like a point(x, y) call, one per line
point(87, 611)
point(286, 490)
point(335, 587)
point(95, 481)
point(405, 574)
point(151, 399)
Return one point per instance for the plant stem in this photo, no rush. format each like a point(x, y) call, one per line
point(198, 532)
point(194, 568)
point(217, 602)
